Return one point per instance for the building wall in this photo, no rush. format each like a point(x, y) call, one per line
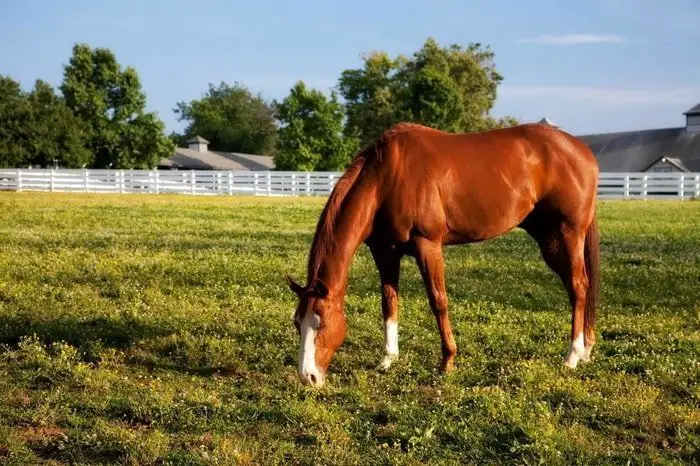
point(693, 123)
point(198, 147)
point(662, 167)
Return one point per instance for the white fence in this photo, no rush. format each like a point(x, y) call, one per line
point(274, 183)
point(203, 182)
point(649, 185)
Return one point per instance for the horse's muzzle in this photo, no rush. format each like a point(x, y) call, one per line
point(311, 378)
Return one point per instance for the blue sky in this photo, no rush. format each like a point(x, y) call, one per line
point(590, 66)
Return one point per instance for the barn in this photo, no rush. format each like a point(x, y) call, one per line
point(651, 150)
point(197, 156)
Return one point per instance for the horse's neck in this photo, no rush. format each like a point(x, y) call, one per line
point(352, 226)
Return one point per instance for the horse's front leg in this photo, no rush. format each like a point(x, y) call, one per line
point(389, 263)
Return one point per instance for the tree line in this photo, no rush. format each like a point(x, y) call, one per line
point(98, 117)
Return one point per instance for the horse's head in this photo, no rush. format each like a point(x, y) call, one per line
point(320, 321)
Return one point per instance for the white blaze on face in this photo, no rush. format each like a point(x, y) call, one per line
point(391, 343)
point(576, 351)
point(308, 371)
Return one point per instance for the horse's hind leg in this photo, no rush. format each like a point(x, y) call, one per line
point(432, 268)
point(562, 247)
point(389, 264)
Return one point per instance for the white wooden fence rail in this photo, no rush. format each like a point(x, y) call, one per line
point(278, 183)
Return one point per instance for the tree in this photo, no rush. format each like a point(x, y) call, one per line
point(55, 134)
point(14, 119)
point(370, 98)
point(111, 104)
point(311, 132)
point(37, 128)
point(449, 88)
point(232, 119)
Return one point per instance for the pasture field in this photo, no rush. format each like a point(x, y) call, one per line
point(140, 329)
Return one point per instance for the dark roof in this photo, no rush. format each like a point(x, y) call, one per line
point(198, 139)
point(547, 121)
point(693, 111)
point(635, 151)
point(195, 160)
point(678, 163)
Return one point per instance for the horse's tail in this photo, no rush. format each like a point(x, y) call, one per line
point(592, 262)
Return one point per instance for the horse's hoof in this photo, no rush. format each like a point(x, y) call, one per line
point(447, 366)
point(586, 357)
point(571, 363)
point(387, 361)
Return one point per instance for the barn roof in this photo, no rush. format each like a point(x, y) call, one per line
point(547, 121)
point(693, 111)
point(198, 139)
point(210, 160)
point(636, 151)
point(678, 163)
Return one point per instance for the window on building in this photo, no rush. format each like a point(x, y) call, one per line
point(663, 169)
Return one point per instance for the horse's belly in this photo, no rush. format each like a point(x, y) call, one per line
point(474, 221)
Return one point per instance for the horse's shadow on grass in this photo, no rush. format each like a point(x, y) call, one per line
point(82, 333)
point(92, 336)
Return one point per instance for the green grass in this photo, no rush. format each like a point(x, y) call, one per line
point(158, 329)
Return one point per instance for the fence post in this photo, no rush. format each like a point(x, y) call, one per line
point(627, 186)
point(19, 180)
point(194, 181)
point(255, 183)
point(644, 187)
point(681, 187)
point(157, 173)
point(308, 183)
point(121, 181)
point(269, 184)
point(697, 186)
point(85, 180)
point(51, 180)
point(294, 184)
point(230, 183)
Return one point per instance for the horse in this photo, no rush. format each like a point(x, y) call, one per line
point(416, 189)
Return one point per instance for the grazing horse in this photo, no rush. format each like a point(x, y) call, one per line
point(416, 189)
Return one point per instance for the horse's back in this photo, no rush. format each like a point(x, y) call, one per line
point(474, 186)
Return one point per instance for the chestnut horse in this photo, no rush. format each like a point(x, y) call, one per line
point(417, 189)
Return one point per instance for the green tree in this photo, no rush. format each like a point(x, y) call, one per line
point(37, 128)
point(232, 119)
point(369, 95)
point(109, 100)
point(311, 132)
point(15, 116)
point(55, 134)
point(450, 88)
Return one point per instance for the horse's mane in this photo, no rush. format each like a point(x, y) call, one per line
point(323, 238)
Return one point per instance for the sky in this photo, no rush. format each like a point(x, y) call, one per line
point(590, 66)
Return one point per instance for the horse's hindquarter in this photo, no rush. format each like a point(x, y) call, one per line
point(472, 187)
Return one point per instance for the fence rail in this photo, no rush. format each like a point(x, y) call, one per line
point(278, 183)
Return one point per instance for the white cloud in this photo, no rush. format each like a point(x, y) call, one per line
point(603, 96)
point(575, 39)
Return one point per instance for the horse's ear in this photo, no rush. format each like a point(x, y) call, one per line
point(320, 288)
point(294, 286)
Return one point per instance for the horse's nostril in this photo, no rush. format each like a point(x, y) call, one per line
point(313, 379)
